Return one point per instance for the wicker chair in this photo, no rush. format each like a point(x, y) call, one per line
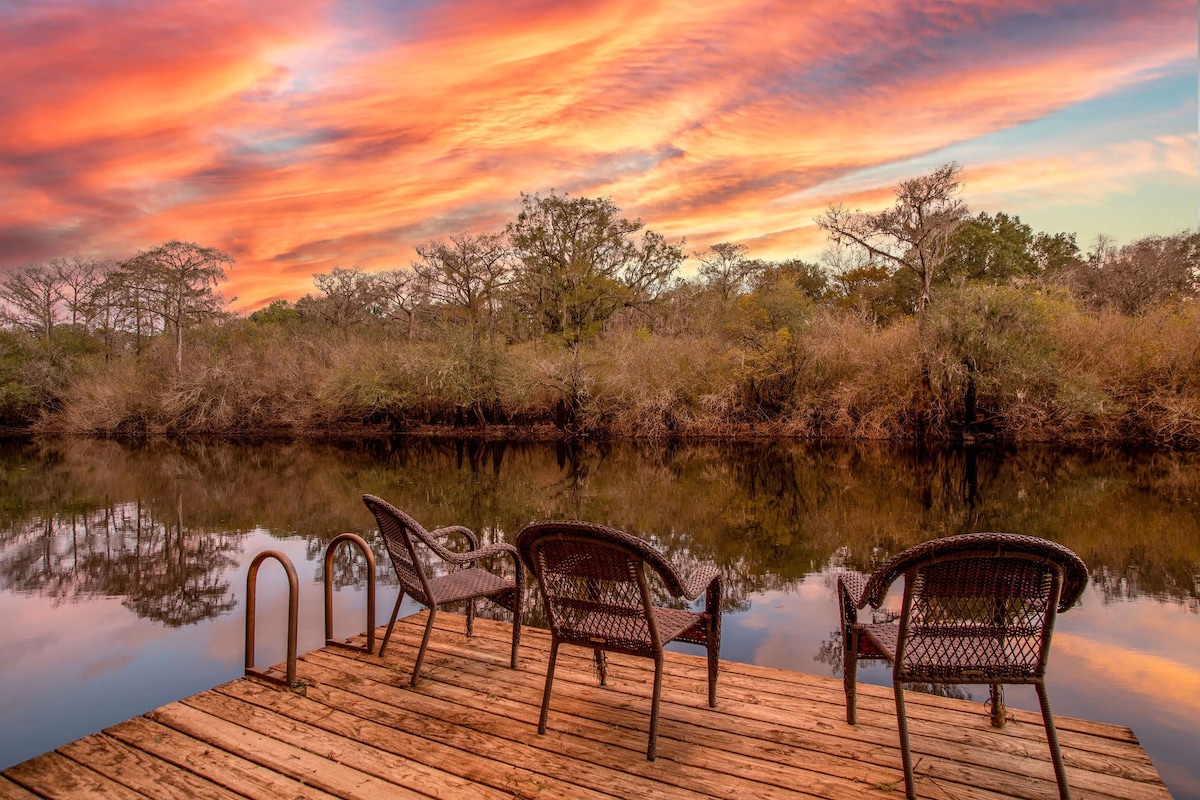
point(594, 584)
point(978, 609)
point(401, 533)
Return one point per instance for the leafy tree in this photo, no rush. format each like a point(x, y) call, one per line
point(992, 249)
point(278, 312)
point(181, 276)
point(915, 235)
point(580, 262)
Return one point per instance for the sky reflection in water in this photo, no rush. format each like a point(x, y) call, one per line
point(110, 614)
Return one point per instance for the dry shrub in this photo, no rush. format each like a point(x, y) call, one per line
point(654, 386)
point(862, 379)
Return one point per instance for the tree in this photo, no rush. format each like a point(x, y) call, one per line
point(181, 276)
point(726, 270)
point(916, 234)
point(348, 296)
point(579, 262)
point(80, 287)
point(992, 249)
point(467, 274)
point(401, 293)
point(1131, 278)
point(32, 294)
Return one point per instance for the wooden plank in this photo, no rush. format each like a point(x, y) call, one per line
point(724, 770)
point(11, 791)
point(234, 773)
point(514, 741)
point(55, 775)
point(348, 750)
point(391, 728)
point(610, 747)
point(770, 680)
point(823, 696)
point(140, 771)
point(945, 760)
point(286, 759)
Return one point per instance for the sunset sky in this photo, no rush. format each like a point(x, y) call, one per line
point(302, 135)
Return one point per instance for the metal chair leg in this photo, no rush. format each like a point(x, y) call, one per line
point(516, 636)
point(905, 750)
point(713, 664)
point(424, 644)
point(391, 623)
point(850, 675)
point(549, 683)
point(1060, 771)
point(652, 748)
point(601, 666)
point(470, 617)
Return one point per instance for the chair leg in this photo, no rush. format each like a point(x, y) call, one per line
point(391, 623)
point(601, 666)
point(549, 683)
point(1060, 771)
point(424, 644)
point(997, 706)
point(652, 748)
point(516, 635)
point(713, 663)
point(470, 617)
point(850, 675)
point(905, 750)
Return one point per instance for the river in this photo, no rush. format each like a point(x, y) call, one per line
point(122, 568)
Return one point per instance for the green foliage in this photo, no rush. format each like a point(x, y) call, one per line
point(279, 312)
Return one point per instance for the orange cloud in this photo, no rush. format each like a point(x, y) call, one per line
point(305, 136)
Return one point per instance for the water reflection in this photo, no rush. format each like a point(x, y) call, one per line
point(91, 530)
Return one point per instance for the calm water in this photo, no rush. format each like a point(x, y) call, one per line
point(122, 570)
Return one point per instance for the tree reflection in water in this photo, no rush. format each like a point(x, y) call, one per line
point(160, 525)
point(163, 526)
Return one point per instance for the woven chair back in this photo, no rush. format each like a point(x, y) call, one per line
point(978, 616)
point(398, 530)
point(595, 591)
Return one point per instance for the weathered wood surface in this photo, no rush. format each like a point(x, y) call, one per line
point(469, 730)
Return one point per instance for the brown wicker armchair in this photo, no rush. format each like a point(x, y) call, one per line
point(978, 609)
point(594, 584)
point(401, 533)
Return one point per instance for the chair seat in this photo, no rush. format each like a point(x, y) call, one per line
point(610, 627)
point(966, 657)
point(467, 583)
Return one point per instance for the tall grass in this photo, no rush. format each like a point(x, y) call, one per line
point(1034, 366)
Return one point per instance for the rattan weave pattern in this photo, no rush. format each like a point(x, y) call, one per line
point(465, 582)
point(596, 592)
point(978, 608)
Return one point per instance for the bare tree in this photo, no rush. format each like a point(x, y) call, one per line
point(467, 274)
point(348, 297)
point(181, 276)
point(401, 293)
point(725, 268)
point(80, 282)
point(32, 294)
point(915, 234)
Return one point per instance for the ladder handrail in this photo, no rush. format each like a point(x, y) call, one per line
point(293, 618)
point(362, 545)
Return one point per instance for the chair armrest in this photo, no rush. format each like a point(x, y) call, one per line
point(700, 581)
point(483, 552)
point(853, 586)
point(467, 533)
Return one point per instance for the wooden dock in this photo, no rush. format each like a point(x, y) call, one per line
point(469, 730)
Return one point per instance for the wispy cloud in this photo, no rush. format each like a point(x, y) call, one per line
point(303, 135)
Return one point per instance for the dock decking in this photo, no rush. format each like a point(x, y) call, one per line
point(469, 730)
